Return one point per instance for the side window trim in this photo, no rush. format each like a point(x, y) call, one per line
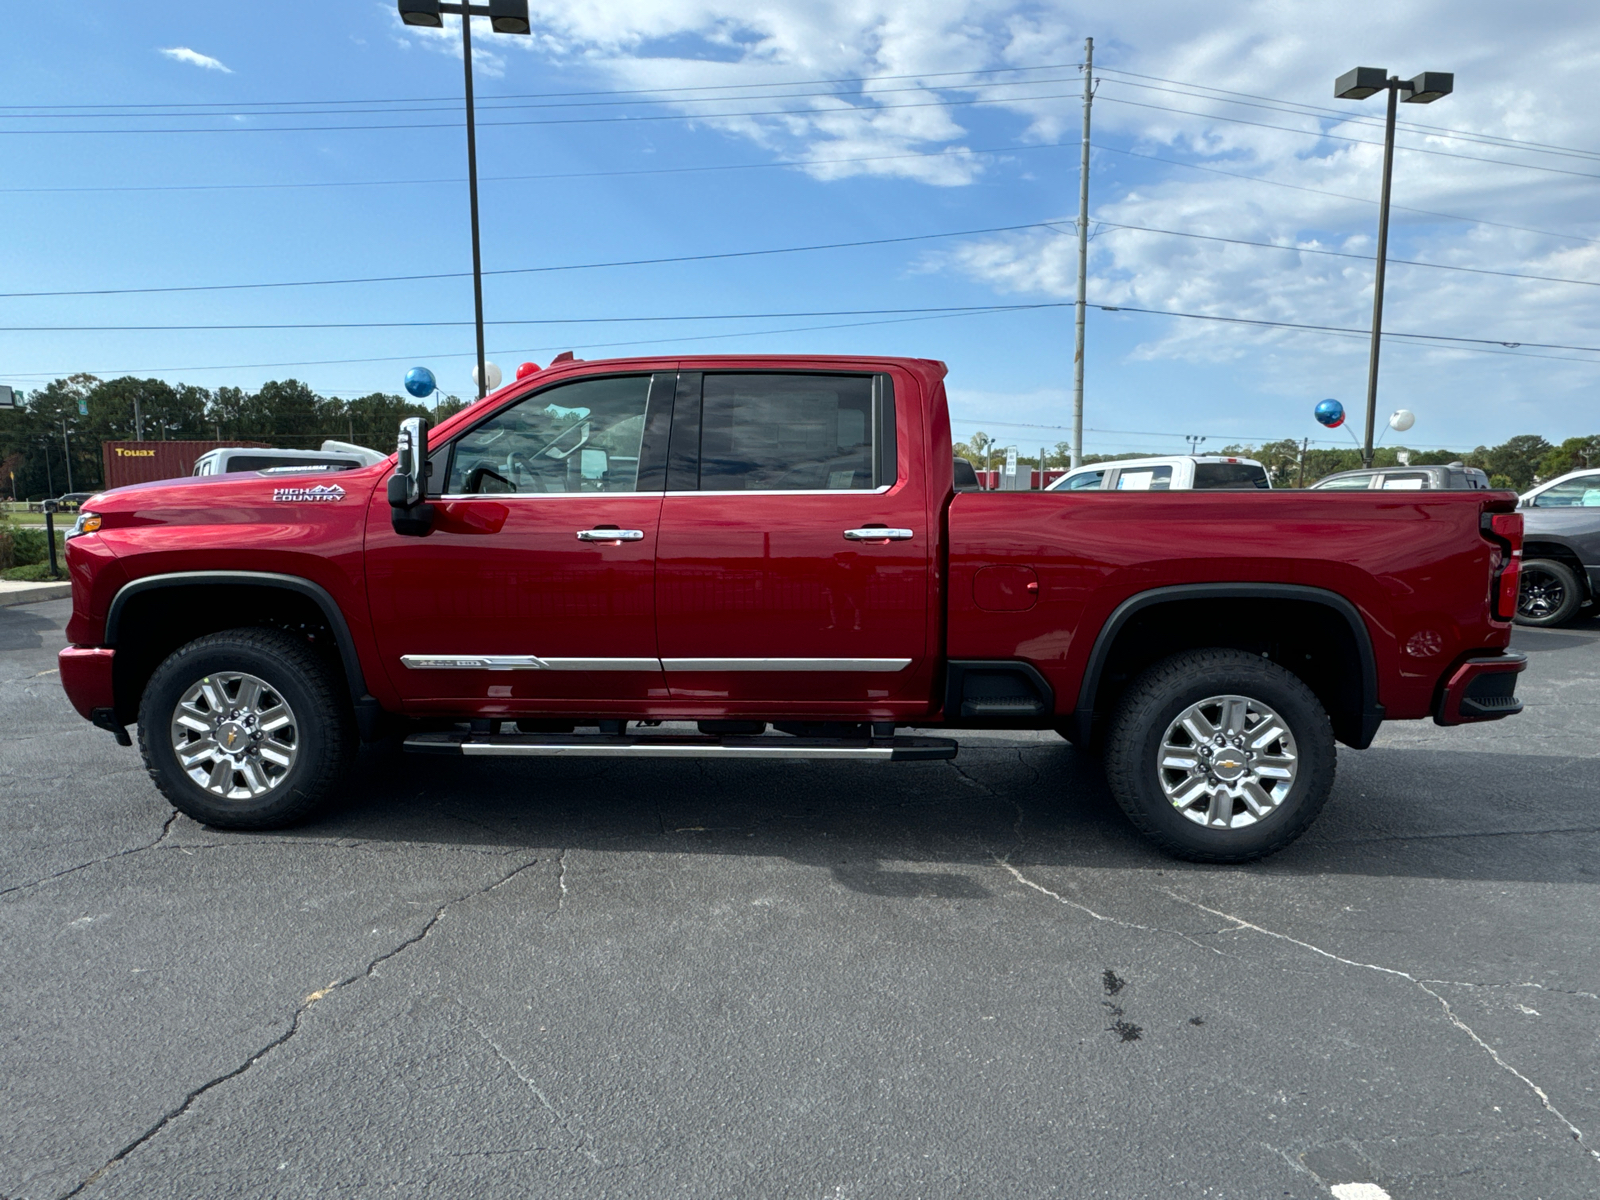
point(683, 450)
point(885, 451)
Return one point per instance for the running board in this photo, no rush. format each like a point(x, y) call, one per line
point(569, 745)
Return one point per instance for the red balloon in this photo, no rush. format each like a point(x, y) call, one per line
point(527, 369)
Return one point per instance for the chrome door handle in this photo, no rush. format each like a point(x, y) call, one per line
point(610, 535)
point(871, 534)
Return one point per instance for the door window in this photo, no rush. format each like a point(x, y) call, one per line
point(1080, 481)
point(1582, 492)
point(1346, 483)
point(800, 432)
point(1144, 479)
point(584, 436)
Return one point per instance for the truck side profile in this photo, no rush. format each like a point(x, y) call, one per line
point(773, 550)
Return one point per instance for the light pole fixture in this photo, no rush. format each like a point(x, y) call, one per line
point(1358, 84)
point(505, 16)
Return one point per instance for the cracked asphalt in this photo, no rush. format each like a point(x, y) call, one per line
point(830, 981)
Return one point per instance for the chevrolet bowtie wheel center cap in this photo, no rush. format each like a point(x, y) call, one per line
point(1227, 762)
point(235, 735)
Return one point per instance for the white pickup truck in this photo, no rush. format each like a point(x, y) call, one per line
point(1180, 473)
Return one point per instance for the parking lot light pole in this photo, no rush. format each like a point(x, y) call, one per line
point(505, 16)
point(1358, 84)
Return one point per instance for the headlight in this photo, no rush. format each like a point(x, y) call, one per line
point(87, 522)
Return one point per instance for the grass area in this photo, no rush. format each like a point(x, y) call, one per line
point(36, 573)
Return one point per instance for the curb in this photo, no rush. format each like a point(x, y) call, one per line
point(32, 593)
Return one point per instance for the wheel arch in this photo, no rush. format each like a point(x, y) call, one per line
point(1540, 546)
point(1256, 614)
point(164, 609)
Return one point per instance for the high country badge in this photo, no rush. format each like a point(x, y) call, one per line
point(323, 493)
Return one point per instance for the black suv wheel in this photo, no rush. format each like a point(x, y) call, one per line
point(245, 729)
point(1549, 593)
point(1220, 756)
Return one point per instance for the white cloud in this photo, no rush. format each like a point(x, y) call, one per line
point(194, 58)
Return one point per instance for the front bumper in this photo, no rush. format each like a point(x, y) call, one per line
point(1481, 689)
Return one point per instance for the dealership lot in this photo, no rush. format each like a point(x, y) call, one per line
point(648, 979)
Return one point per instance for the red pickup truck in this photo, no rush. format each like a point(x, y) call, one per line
point(773, 550)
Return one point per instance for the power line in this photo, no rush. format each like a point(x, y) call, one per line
point(1348, 117)
point(776, 112)
point(848, 312)
point(1409, 262)
point(1299, 187)
point(1316, 133)
point(634, 262)
point(703, 87)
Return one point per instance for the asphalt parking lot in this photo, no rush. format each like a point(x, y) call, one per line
point(577, 979)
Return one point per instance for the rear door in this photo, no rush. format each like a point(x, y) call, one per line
point(774, 587)
point(537, 582)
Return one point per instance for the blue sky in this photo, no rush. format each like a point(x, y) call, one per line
point(581, 153)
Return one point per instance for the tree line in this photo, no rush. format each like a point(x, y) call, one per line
point(56, 432)
point(1517, 463)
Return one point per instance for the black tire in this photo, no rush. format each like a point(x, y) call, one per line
point(322, 731)
point(1549, 593)
point(1154, 702)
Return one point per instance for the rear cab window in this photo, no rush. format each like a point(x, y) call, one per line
point(1347, 483)
point(1080, 481)
point(1410, 481)
point(1212, 475)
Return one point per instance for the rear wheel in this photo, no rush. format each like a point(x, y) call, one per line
point(245, 729)
point(1548, 594)
point(1220, 756)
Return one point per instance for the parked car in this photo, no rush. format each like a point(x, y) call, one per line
point(773, 543)
point(1561, 554)
point(1454, 477)
point(334, 456)
point(71, 501)
point(1181, 473)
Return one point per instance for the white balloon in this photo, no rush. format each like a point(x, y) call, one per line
point(492, 371)
point(1402, 420)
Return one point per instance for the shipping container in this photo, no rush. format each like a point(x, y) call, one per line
point(143, 462)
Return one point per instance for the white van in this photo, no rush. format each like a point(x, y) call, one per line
point(334, 456)
point(1182, 473)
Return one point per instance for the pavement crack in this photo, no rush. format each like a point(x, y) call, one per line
point(1543, 987)
point(561, 880)
point(1450, 1013)
point(294, 1027)
point(166, 828)
point(1099, 916)
point(583, 1144)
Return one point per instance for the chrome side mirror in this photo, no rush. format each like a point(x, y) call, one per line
point(409, 511)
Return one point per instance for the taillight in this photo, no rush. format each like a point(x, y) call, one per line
point(1506, 530)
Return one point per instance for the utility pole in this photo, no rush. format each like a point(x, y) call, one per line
point(66, 450)
point(1083, 257)
point(1305, 444)
point(138, 421)
point(472, 192)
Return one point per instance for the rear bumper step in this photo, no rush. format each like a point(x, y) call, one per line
point(572, 745)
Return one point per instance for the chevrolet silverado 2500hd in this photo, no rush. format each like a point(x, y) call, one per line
point(772, 548)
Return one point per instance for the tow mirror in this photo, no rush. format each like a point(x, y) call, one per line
point(409, 512)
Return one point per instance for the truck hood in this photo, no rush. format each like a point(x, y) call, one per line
point(242, 489)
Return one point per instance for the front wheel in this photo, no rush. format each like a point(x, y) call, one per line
point(245, 729)
point(1548, 594)
point(1220, 756)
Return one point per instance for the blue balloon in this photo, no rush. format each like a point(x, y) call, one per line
point(420, 382)
point(1330, 413)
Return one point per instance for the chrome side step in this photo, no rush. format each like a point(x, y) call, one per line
point(577, 745)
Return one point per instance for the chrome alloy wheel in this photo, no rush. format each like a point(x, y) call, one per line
point(1227, 762)
point(234, 735)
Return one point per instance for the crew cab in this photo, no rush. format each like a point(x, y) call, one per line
point(747, 557)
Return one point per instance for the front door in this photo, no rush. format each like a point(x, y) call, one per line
point(775, 589)
point(537, 582)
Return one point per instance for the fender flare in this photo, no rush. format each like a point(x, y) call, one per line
point(366, 706)
point(1372, 713)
